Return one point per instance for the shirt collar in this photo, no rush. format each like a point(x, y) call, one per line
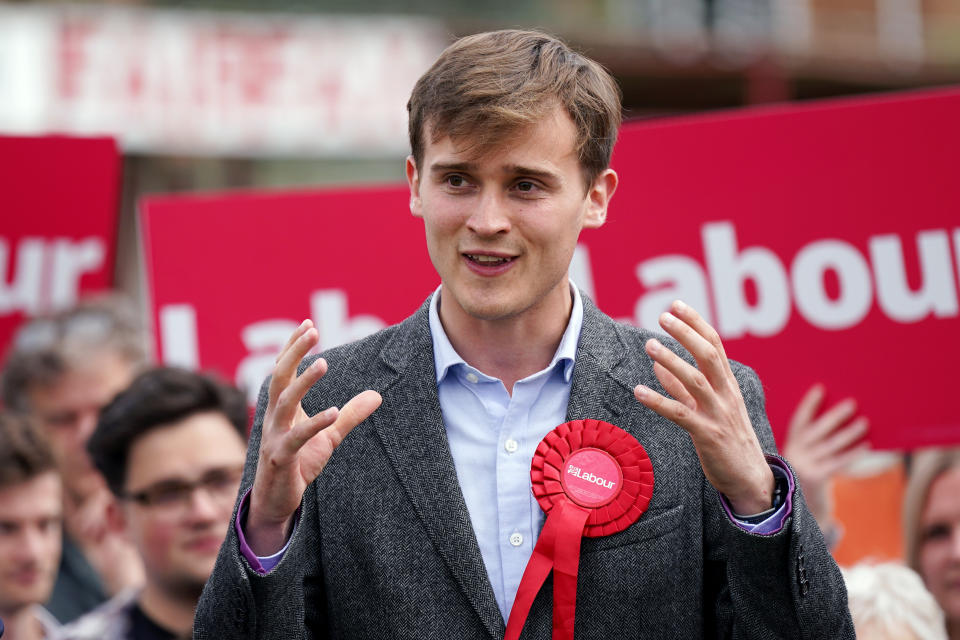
point(445, 356)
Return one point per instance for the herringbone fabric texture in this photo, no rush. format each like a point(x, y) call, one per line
point(384, 548)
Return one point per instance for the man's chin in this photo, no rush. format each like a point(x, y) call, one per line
point(199, 565)
point(489, 306)
point(11, 602)
point(490, 313)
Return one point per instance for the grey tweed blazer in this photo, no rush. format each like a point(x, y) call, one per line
point(385, 549)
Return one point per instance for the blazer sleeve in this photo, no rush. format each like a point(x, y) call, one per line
point(239, 603)
point(783, 585)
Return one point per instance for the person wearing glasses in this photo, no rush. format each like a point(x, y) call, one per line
point(60, 371)
point(171, 447)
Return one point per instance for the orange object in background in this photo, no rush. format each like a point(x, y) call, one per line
point(868, 508)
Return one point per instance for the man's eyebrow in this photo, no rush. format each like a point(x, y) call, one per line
point(176, 479)
point(438, 167)
point(513, 169)
point(545, 174)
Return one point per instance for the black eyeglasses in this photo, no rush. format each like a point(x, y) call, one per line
point(170, 495)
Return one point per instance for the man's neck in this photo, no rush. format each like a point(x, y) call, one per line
point(22, 624)
point(509, 349)
point(167, 611)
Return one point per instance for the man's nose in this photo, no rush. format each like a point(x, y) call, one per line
point(86, 425)
point(205, 507)
point(31, 545)
point(490, 215)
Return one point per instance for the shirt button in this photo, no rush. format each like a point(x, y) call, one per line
point(511, 445)
point(472, 377)
point(516, 539)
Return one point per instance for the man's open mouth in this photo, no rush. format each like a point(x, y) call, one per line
point(487, 261)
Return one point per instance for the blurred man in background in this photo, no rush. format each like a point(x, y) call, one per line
point(171, 448)
point(31, 508)
point(61, 371)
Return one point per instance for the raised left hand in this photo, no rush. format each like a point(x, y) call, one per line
point(707, 403)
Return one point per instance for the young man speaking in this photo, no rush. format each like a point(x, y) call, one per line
point(420, 524)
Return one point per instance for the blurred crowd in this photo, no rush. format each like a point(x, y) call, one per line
point(118, 481)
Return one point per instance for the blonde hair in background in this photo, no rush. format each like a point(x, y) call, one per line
point(890, 598)
point(925, 467)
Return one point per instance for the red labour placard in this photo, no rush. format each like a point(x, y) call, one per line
point(58, 223)
point(822, 240)
point(232, 276)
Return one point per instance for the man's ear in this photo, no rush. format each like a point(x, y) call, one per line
point(413, 181)
point(598, 198)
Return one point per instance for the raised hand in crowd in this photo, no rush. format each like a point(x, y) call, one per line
point(822, 443)
point(295, 447)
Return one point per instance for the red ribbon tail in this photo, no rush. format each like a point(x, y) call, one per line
point(557, 548)
point(535, 574)
point(566, 566)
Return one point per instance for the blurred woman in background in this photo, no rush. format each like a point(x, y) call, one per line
point(931, 520)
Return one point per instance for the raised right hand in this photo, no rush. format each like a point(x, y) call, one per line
point(295, 447)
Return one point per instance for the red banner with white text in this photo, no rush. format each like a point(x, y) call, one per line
point(58, 223)
point(821, 240)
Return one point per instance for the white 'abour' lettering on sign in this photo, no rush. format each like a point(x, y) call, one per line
point(729, 266)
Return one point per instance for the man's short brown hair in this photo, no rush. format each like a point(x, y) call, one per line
point(24, 453)
point(485, 86)
point(155, 399)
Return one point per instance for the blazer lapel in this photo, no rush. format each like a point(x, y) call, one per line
point(604, 376)
point(411, 427)
point(595, 390)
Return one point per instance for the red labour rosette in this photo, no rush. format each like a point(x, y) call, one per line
point(592, 479)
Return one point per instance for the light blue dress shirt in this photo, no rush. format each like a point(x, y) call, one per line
point(493, 436)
